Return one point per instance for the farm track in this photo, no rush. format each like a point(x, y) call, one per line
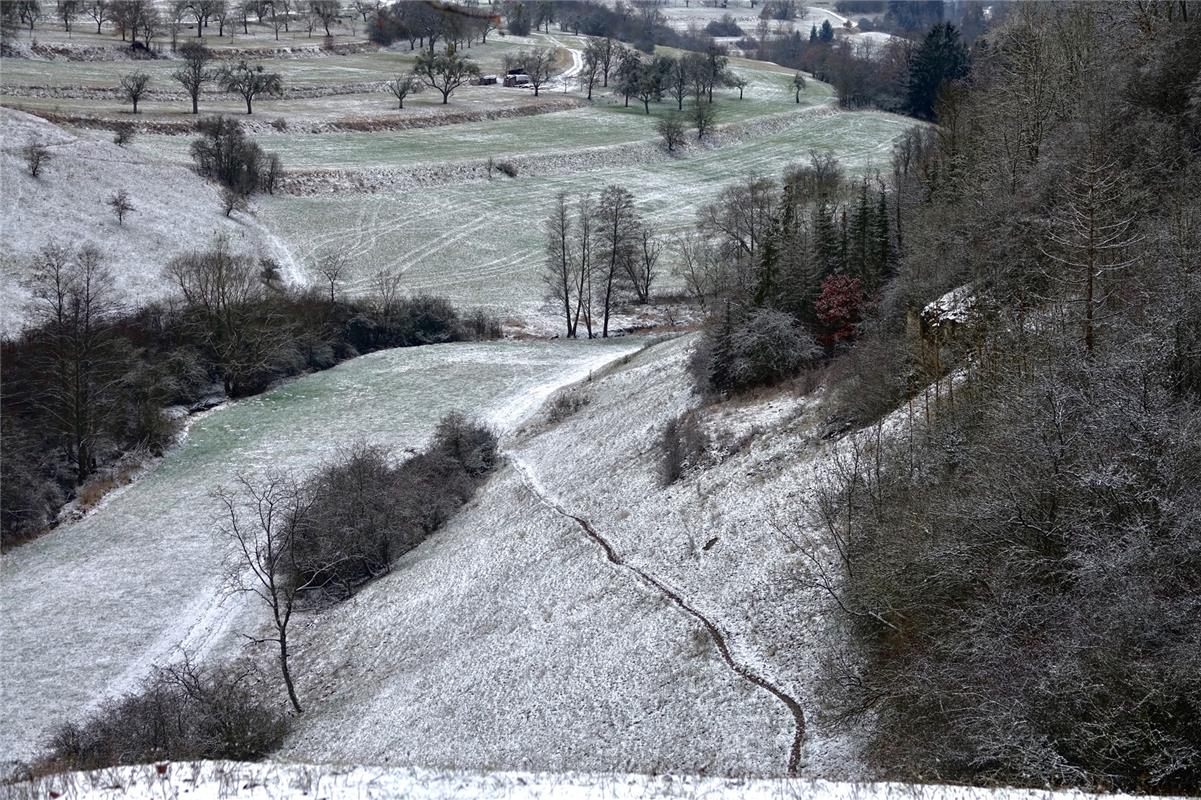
point(723, 648)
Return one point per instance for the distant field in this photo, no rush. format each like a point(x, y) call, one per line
point(482, 243)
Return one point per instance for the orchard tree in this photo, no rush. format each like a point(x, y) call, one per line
point(537, 63)
point(445, 71)
point(250, 82)
point(326, 11)
point(36, 157)
point(66, 11)
point(134, 86)
point(671, 128)
point(404, 85)
point(98, 10)
point(194, 71)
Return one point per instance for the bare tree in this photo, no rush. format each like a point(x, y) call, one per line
point(584, 264)
point(736, 81)
point(36, 157)
point(671, 128)
point(537, 63)
point(66, 11)
point(643, 268)
point(1092, 237)
point(445, 71)
point(617, 237)
point(121, 205)
point(232, 201)
point(697, 266)
point(331, 267)
point(134, 86)
point(326, 11)
point(74, 305)
point(591, 69)
point(560, 266)
point(404, 85)
point(260, 521)
point(703, 118)
point(98, 10)
point(194, 72)
point(385, 285)
point(224, 296)
point(798, 83)
point(250, 82)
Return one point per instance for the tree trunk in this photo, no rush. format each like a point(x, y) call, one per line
point(196, 103)
point(287, 673)
point(248, 110)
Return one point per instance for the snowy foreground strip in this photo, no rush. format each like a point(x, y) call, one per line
point(209, 780)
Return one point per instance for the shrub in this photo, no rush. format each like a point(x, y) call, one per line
point(726, 26)
point(366, 513)
point(124, 134)
point(761, 348)
point(224, 154)
point(564, 405)
point(507, 167)
point(182, 712)
point(36, 158)
point(682, 445)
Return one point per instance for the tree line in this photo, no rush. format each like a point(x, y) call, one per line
point(88, 380)
point(1012, 530)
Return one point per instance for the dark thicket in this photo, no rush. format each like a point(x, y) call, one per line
point(79, 389)
point(181, 713)
point(367, 512)
point(224, 154)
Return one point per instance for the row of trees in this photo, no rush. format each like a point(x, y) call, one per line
point(424, 24)
point(141, 21)
point(600, 252)
point(247, 81)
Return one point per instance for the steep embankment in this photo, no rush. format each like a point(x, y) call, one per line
point(175, 212)
point(577, 616)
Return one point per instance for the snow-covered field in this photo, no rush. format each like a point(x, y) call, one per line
point(218, 780)
point(88, 608)
point(176, 211)
point(481, 242)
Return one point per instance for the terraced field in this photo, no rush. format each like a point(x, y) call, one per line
point(481, 243)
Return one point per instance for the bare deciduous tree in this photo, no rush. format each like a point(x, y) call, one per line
point(250, 82)
point(134, 86)
point(36, 158)
point(404, 85)
point(260, 521)
point(194, 72)
point(121, 205)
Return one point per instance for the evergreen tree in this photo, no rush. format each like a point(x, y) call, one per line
point(940, 58)
point(768, 277)
point(882, 241)
point(827, 32)
point(813, 34)
point(861, 245)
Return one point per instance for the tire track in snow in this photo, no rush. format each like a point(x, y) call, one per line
point(746, 673)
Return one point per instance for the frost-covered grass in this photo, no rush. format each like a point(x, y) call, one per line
point(89, 607)
point(175, 212)
point(217, 780)
point(481, 243)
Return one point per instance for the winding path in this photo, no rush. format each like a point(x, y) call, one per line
point(746, 673)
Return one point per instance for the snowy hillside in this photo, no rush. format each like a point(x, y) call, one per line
point(176, 211)
point(217, 780)
point(90, 607)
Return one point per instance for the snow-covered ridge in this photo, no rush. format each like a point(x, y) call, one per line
point(211, 780)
